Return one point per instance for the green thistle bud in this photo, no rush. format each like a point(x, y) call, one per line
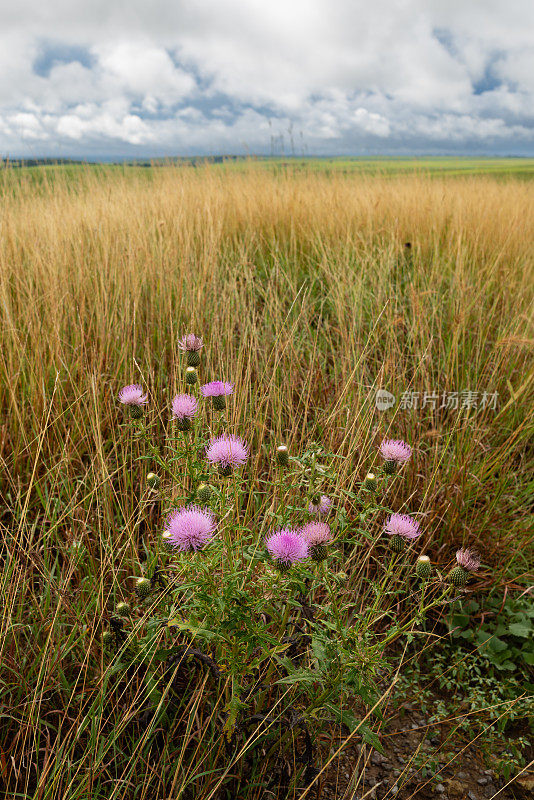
point(397, 544)
point(225, 470)
point(390, 467)
point(183, 424)
point(219, 402)
point(423, 567)
point(136, 412)
point(319, 552)
point(193, 358)
point(282, 455)
point(123, 609)
point(153, 480)
point(458, 576)
point(142, 588)
point(191, 376)
point(107, 640)
point(370, 482)
point(204, 493)
point(282, 566)
point(167, 543)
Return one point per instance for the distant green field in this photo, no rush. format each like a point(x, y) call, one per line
point(522, 168)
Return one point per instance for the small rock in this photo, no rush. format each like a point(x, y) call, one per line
point(488, 772)
point(394, 789)
point(471, 795)
point(482, 781)
point(526, 782)
point(440, 788)
point(462, 776)
point(414, 726)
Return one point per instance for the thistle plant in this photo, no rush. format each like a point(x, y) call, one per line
point(254, 606)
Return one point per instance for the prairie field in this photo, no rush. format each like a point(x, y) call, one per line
point(312, 289)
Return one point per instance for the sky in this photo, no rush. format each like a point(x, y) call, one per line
point(140, 78)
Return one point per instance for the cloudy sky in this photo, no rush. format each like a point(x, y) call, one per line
point(134, 78)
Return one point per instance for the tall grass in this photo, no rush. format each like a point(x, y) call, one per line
point(303, 288)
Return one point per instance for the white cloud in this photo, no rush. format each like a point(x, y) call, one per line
point(172, 77)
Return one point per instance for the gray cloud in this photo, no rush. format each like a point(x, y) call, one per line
point(205, 76)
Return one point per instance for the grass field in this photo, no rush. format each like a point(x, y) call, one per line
point(301, 284)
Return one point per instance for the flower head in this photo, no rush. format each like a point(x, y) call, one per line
point(217, 389)
point(184, 406)
point(190, 343)
point(189, 528)
point(227, 452)
point(132, 395)
point(468, 560)
point(286, 546)
point(395, 450)
point(402, 525)
point(321, 506)
point(316, 533)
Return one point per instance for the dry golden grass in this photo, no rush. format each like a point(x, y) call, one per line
point(306, 297)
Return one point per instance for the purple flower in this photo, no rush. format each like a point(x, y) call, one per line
point(184, 406)
point(189, 528)
point(402, 525)
point(132, 395)
point(468, 560)
point(322, 507)
point(287, 546)
point(227, 452)
point(316, 533)
point(395, 450)
point(217, 389)
point(190, 343)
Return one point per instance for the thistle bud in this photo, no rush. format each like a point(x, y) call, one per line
point(390, 467)
point(152, 480)
point(193, 358)
point(318, 552)
point(183, 424)
point(397, 543)
point(423, 567)
point(204, 493)
point(370, 483)
point(458, 577)
point(123, 609)
point(168, 545)
point(316, 499)
point(142, 588)
point(219, 402)
point(191, 376)
point(136, 412)
point(282, 455)
point(107, 640)
point(225, 470)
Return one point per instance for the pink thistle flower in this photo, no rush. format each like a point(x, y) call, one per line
point(402, 525)
point(286, 547)
point(190, 343)
point(189, 528)
point(217, 389)
point(132, 395)
point(227, 452)
point(395, 450)
point(468, 560)
point(184, 406)
point(316, 533)
point(322, 507)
